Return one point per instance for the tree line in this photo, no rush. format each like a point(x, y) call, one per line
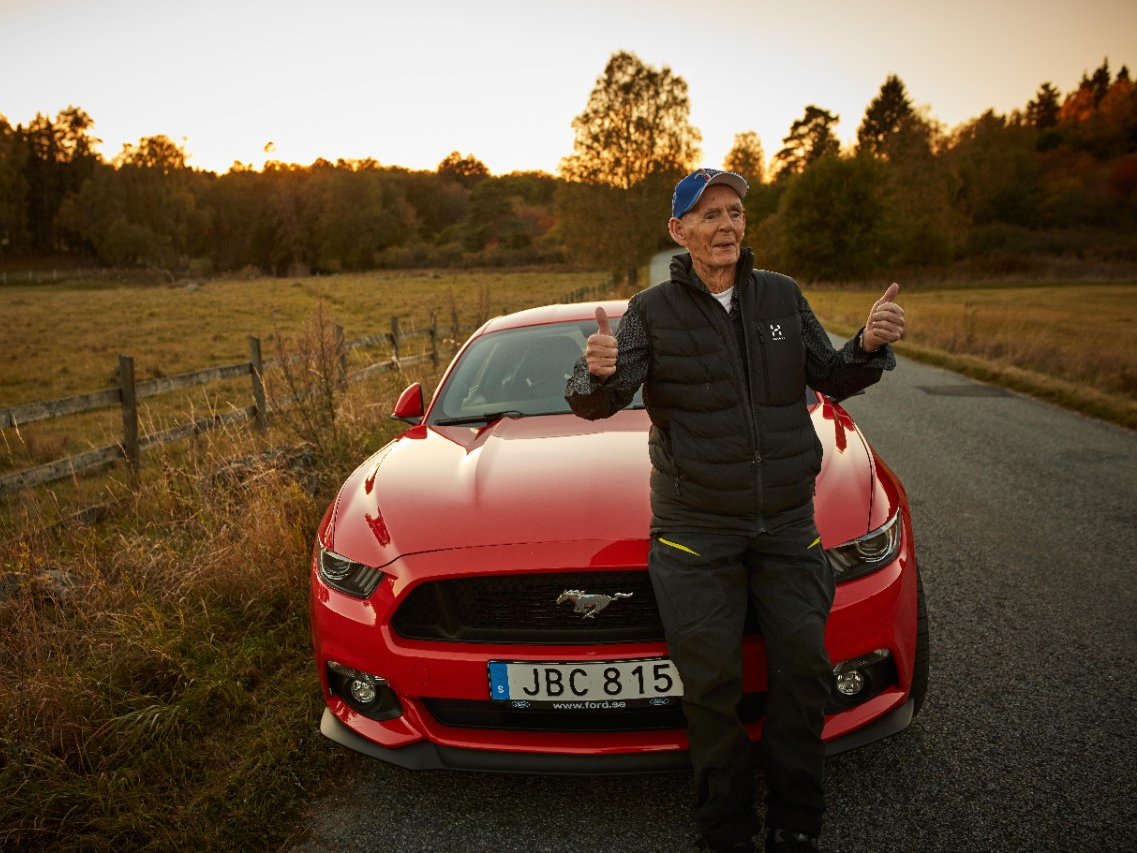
point(1056, 178)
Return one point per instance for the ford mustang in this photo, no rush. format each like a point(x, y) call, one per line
point(479, 589)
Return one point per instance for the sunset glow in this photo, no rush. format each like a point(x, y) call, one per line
point(406, 84)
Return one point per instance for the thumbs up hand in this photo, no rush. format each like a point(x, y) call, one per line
point(600, 351)
point(885, 324)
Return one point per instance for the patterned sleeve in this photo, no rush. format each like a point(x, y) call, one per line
point(840, 372)
point(590, 398)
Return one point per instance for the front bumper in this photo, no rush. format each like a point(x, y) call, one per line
point(429, 756)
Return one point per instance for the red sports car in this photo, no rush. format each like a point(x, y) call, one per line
point(479, 589)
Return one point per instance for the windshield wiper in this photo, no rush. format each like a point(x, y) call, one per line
point(477, 419)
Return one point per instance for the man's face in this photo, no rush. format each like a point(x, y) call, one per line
point(712, 230)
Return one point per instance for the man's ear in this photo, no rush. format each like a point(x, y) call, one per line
point(675, 229)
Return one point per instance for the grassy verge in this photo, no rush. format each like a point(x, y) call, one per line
point(155, 669)
point(1074, 345)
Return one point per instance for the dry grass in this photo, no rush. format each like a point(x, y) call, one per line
point(1072, 344)
point(69, 335)
point(155, 668)
point(66, 337)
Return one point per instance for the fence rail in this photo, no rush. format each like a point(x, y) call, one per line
point(130, 392)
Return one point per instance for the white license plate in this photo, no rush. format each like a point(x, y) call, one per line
point(584, 685)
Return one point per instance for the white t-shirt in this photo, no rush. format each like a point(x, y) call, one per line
point(724, 297)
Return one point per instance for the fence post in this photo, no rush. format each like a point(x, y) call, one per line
point(434, 338)
point(129, 415)
point(257, 365)
point(341, 356)
point(394, 339)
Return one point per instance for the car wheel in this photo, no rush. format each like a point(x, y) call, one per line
point(921, 664)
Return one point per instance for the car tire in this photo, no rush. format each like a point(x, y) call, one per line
point(922, 663)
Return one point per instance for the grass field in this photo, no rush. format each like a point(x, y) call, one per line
point(66, 337)
point(156, 683)
point(1071, 344)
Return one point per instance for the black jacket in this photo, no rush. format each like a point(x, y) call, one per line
point(732, 444)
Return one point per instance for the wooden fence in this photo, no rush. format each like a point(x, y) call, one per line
point(129, 392)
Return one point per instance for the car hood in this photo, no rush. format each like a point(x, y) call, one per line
point(548, 479)
point(535, 479)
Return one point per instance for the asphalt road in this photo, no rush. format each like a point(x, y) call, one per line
point(1025, 527)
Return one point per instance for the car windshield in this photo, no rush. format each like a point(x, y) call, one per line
point(515, 373)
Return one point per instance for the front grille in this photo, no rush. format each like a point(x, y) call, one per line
point(522, 609)
point(463, 713)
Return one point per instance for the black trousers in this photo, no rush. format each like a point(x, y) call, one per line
point(703, 582)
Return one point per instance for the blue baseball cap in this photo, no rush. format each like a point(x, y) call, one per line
point(688, 191)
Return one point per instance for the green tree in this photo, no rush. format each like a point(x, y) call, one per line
point(353, 217)
point(235, 205)
point(998, 171)
point(747, 158)
point(14, 236)
point(466, 170)
point(58, 157)
point(154, 152)
point(439, 203)
point(491, 219)
point(141, 212)
point(1042, 112)
point(811, 138)
point(924, 226)
point(1099, 83)
point(633, 141)
point(883, 117)
point(833, 219)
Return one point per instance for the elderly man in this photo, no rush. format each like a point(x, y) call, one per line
point(725, 353)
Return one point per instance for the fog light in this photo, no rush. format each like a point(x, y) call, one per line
point(362, 690)
point(362, 687)
point(368, 694)
point(859, 679)
point(851, 683)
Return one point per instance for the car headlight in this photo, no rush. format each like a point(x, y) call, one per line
point(346, 575)
point(867, 553)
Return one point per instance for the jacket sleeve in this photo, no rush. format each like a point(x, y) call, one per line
point(591, 399)
point(839, 373)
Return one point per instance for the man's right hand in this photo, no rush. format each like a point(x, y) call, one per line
point(600, 352)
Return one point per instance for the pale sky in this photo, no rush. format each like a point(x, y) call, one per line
point(408, 82)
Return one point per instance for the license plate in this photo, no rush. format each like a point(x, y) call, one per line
point(580, 685)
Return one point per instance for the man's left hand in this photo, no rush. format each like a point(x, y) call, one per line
point(886, 322)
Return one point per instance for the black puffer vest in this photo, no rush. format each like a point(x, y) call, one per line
point(721, 449)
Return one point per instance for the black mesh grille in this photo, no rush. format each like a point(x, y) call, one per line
point(522, 609)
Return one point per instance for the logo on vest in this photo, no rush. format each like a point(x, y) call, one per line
point(776, 333)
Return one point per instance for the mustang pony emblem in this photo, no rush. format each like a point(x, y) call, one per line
point(589, 604)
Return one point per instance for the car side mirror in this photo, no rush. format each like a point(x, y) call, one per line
point(409, 408)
